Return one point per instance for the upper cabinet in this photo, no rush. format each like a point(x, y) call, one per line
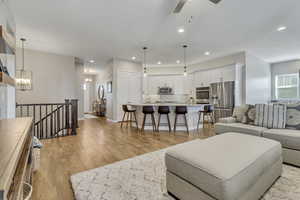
point(206, 77)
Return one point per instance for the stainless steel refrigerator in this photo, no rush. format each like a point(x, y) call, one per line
point(222, 97)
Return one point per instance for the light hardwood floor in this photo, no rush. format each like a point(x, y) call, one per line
point(97, 143)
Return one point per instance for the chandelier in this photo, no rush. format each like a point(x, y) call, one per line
point(23, 77)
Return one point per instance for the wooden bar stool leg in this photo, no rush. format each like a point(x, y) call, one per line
point(203, 120)
point(159, 116)
point(175, 123)
point(136, 122)
point(130, 119)
point(186, 124)
point(169, 123)
point(127, 119)
point(199, 119)
point(153, 123)
point(123, 119)
point(143, 125)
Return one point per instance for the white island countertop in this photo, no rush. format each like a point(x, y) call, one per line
point(167, 104)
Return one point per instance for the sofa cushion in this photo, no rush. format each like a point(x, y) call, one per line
point(239, 128)
point(224, 166)
point(293, 116)
point(227, 120)
point(288, 138)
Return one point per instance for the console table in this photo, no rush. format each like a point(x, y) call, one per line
point(15, 157)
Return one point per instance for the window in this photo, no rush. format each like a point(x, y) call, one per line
point(287, 86)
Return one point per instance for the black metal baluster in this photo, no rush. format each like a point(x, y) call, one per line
point(35, 131)
point(40, 133)
point(51, 122)
point(63, 119)
point(46, 122)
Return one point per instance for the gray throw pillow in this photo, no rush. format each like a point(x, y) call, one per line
point(249, 116)
point(293, 116)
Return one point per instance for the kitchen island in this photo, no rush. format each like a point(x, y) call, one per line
point(192, 116)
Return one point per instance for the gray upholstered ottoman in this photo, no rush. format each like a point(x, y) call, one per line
point(230, 166)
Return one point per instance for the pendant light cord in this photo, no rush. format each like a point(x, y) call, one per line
point(23, 59)
point(145, 68)
point(184, 57)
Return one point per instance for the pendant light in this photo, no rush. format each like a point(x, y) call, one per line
point(145, 66)
point(184, 59)
point(23, 77)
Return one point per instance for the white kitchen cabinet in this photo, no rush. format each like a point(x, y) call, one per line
point(189, 84)
point(228, 73)
point(202, 78)
point(215, 75)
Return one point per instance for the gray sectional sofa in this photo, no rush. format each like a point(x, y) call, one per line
point(289, 139)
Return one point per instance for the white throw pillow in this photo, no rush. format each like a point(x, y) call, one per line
point(239, 112)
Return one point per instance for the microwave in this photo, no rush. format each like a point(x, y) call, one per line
point(165, 91)
point(202, 94)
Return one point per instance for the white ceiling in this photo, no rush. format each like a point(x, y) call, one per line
point(100, 30)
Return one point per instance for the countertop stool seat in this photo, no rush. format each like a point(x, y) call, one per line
point(206, 112)
point(130, 114)
point(164, 110)
point(149, 110)
point(181, 110)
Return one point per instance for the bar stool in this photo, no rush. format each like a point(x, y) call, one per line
point(148, 110)
point(129, 116)
point(207, 111)
point(181, 110)
point(164, 110)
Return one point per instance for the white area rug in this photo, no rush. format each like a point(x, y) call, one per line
point(143, 178)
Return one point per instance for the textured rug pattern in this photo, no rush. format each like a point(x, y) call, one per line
point(143, 178)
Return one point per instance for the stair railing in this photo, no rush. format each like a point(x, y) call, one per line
point(51, 120)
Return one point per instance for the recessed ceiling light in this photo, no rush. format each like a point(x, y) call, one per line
point(178, 61)
point(281, 28)
point(180, 30)
point(133, 58)
point(207, 53)
point(159, 63)
point(92, 61)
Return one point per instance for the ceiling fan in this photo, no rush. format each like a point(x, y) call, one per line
point(181, 3)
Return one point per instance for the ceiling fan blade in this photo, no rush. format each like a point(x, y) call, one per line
point(215, 1)
point(179, 6)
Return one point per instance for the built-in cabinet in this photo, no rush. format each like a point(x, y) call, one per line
point(129, 87)
point(187, 84)
point(204, 78)
point(179, 83)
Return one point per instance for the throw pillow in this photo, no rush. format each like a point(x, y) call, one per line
point(249, 116)
point(239, 112)
point(293, 116)
point(270, 115)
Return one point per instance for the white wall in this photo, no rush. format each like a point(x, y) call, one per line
point(287, 67)
point(258, 80)
point(55, 78)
